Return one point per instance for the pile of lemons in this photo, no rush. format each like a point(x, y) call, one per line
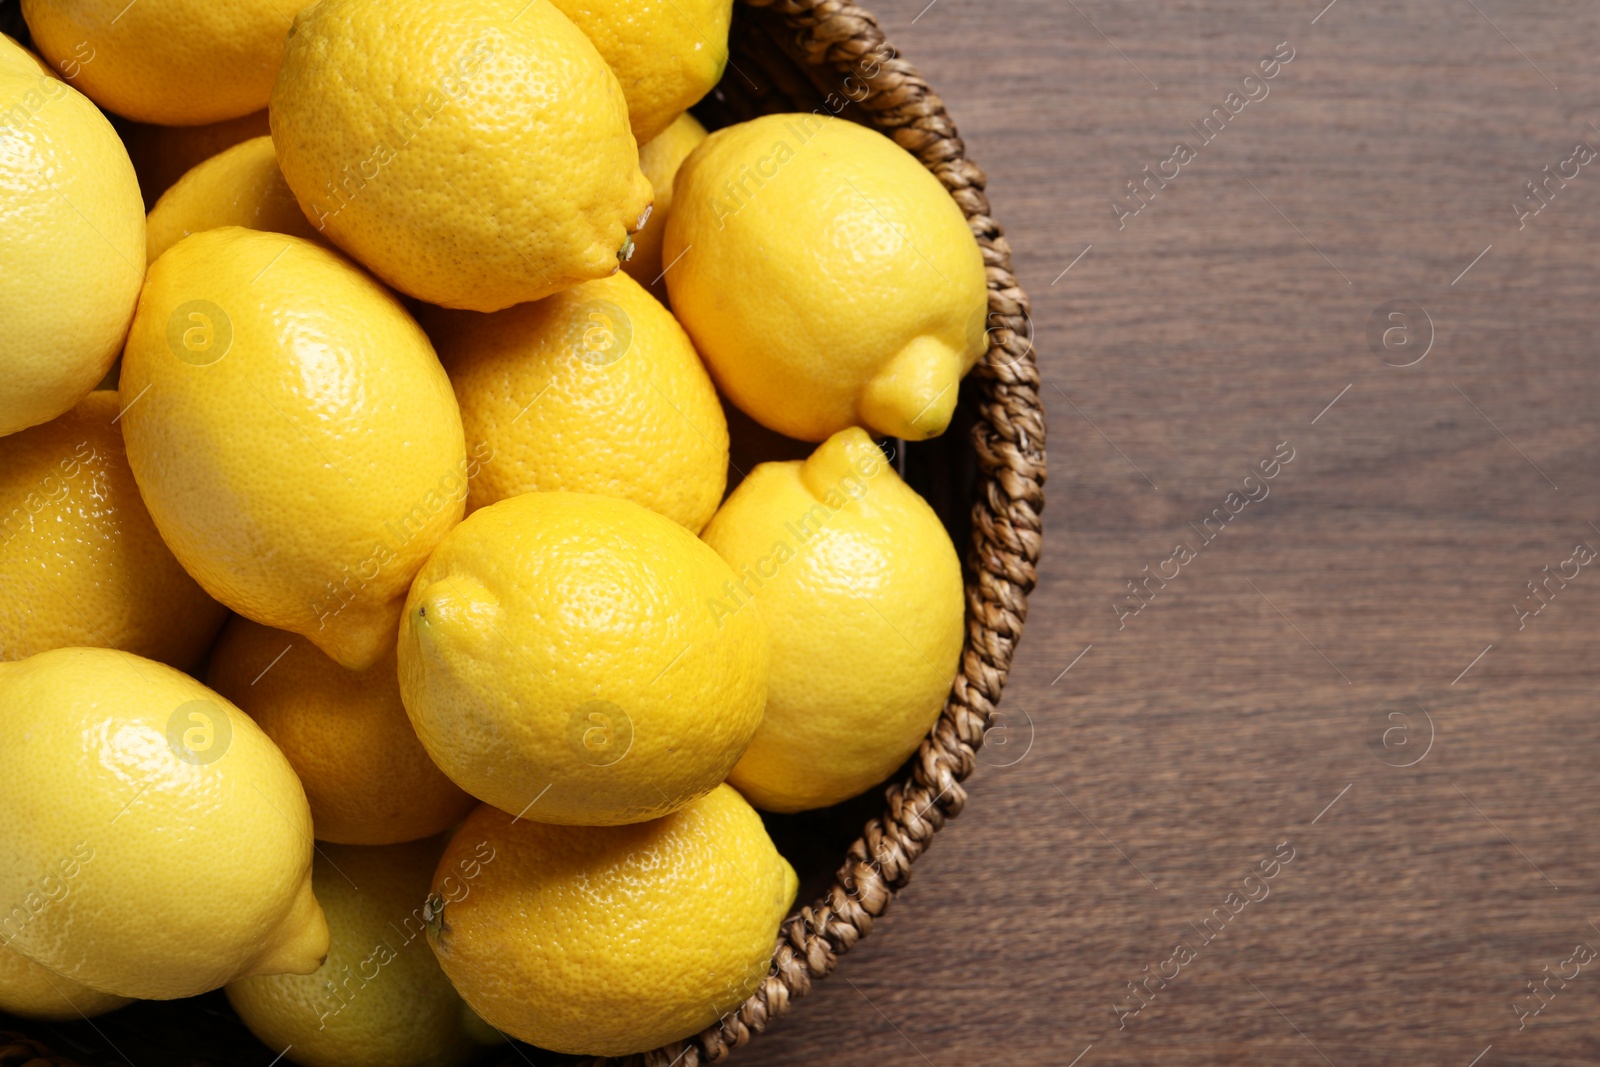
point(378, 637)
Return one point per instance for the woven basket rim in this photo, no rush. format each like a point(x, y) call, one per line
point(1008, 436)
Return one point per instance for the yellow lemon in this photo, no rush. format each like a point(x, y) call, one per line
point(158, 844)
point(380, 1000)
point(71, 244)
point(660, 159)
point(177, 62)
point(80, 561)
point(345, 733)
point(559, 659)
point(848, 567)
point(163, 154)
point(36, 992)
point(666, 53)
point(860, 295)
point(472, 154)
point(240, 186)
point(292, 433)
point(594, 390)
point(21, 58)
point(611, 940)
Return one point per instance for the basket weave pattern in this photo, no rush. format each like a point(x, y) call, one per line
point(835, 52)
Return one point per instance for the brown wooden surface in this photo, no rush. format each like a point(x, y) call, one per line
point(1255, 688)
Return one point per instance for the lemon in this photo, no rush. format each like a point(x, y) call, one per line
point(666, 53)
point(595, 390)
point(861, 296)
point(292, 433)
point(612, 940)
point(21, 58)
point(36, 992)
point(345, 733)
point(240, 186)
point(177, 62)
point(660, 159)
point(157, 843)
point(163, 154)
point(380, 1000)
point(472, 154)
point(80, 561)
point(558, 660)
point(71, 244)
point(848, 567)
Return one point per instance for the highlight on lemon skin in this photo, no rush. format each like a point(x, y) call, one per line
point(102, 754)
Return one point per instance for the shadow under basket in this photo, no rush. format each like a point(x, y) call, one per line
point(985, 478)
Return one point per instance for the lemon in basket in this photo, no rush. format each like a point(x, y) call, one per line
point(81, 562)
point(345, 733)
point(848, 567)
point(71, 244)
point(559, 660)
point(293, 434)
point(176, 62)
point(666, 53)
point(239, 186)
point(472, 154)
point(14, 55)
point(380, 999)
point(826, 277)
point(158, 844)
point(610, 940)
point(660, 159)
point(36, 992)
point(596, 389)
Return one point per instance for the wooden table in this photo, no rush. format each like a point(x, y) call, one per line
point(1345, 670)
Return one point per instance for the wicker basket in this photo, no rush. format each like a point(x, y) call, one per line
point(985, 478)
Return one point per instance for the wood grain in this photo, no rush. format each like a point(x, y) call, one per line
point(1257, 687)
